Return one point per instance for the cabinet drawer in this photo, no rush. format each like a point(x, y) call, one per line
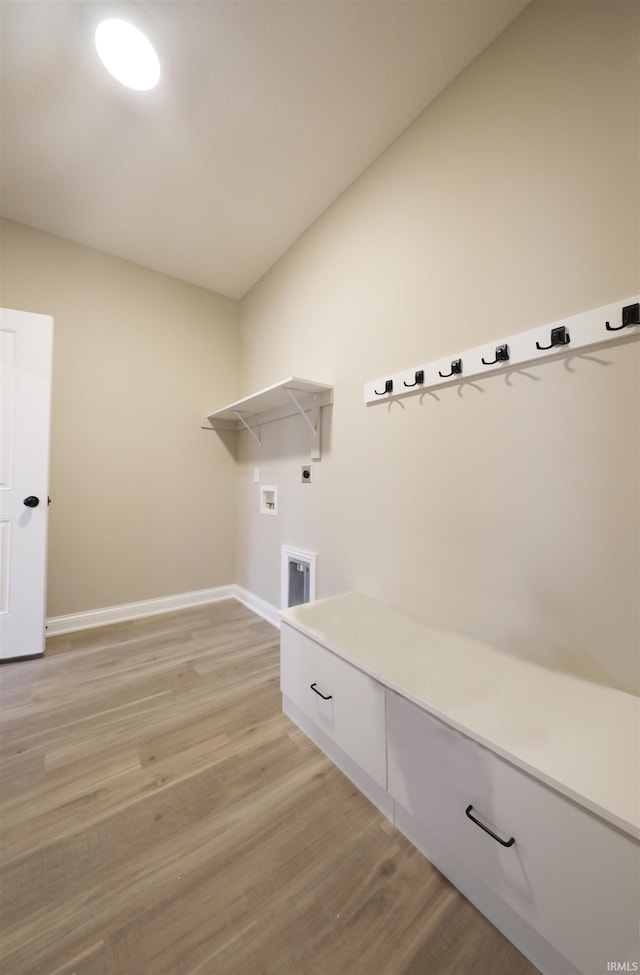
point(574, 878)
point(352, 709)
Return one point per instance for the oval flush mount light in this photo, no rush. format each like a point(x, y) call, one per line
point(127, 54)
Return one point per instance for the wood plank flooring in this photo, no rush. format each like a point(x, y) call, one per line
point(161, 816)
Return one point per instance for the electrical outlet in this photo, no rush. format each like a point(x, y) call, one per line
point(306, 474)
point(256, 475)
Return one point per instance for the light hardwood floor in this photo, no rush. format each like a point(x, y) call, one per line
point(161, 816)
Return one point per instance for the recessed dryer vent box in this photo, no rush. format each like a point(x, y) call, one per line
point(297, 577)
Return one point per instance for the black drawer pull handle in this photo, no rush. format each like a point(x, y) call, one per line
point(325, 697)
point(485, 828)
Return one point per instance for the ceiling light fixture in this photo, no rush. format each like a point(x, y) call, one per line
point(127, 54)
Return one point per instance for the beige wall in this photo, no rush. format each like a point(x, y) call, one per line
point(507, 508)
point(141, 495)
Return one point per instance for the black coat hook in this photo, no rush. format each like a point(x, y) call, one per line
point(559, 336)
point(630, 316)
point(419, 379)
point(456, 369)
point(502, 355)
point(388, 388)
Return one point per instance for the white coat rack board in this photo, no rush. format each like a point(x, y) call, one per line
point(610, 323)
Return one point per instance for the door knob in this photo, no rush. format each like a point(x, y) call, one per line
point(31, 501)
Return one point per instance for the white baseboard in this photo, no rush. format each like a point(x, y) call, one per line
point(258, 605)
point(57, 625)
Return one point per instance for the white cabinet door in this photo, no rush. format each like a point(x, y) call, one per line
point(574, 878)
point(344, 703)
point(25, 393)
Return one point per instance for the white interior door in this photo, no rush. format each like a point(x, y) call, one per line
point(26, 342)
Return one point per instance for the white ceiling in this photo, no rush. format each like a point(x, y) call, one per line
point(266, 112)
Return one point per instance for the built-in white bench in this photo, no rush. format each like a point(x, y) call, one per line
point(521, 784)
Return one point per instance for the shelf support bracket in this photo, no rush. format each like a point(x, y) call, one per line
point(245, 424)
point(315, 447)
point(306, 419)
